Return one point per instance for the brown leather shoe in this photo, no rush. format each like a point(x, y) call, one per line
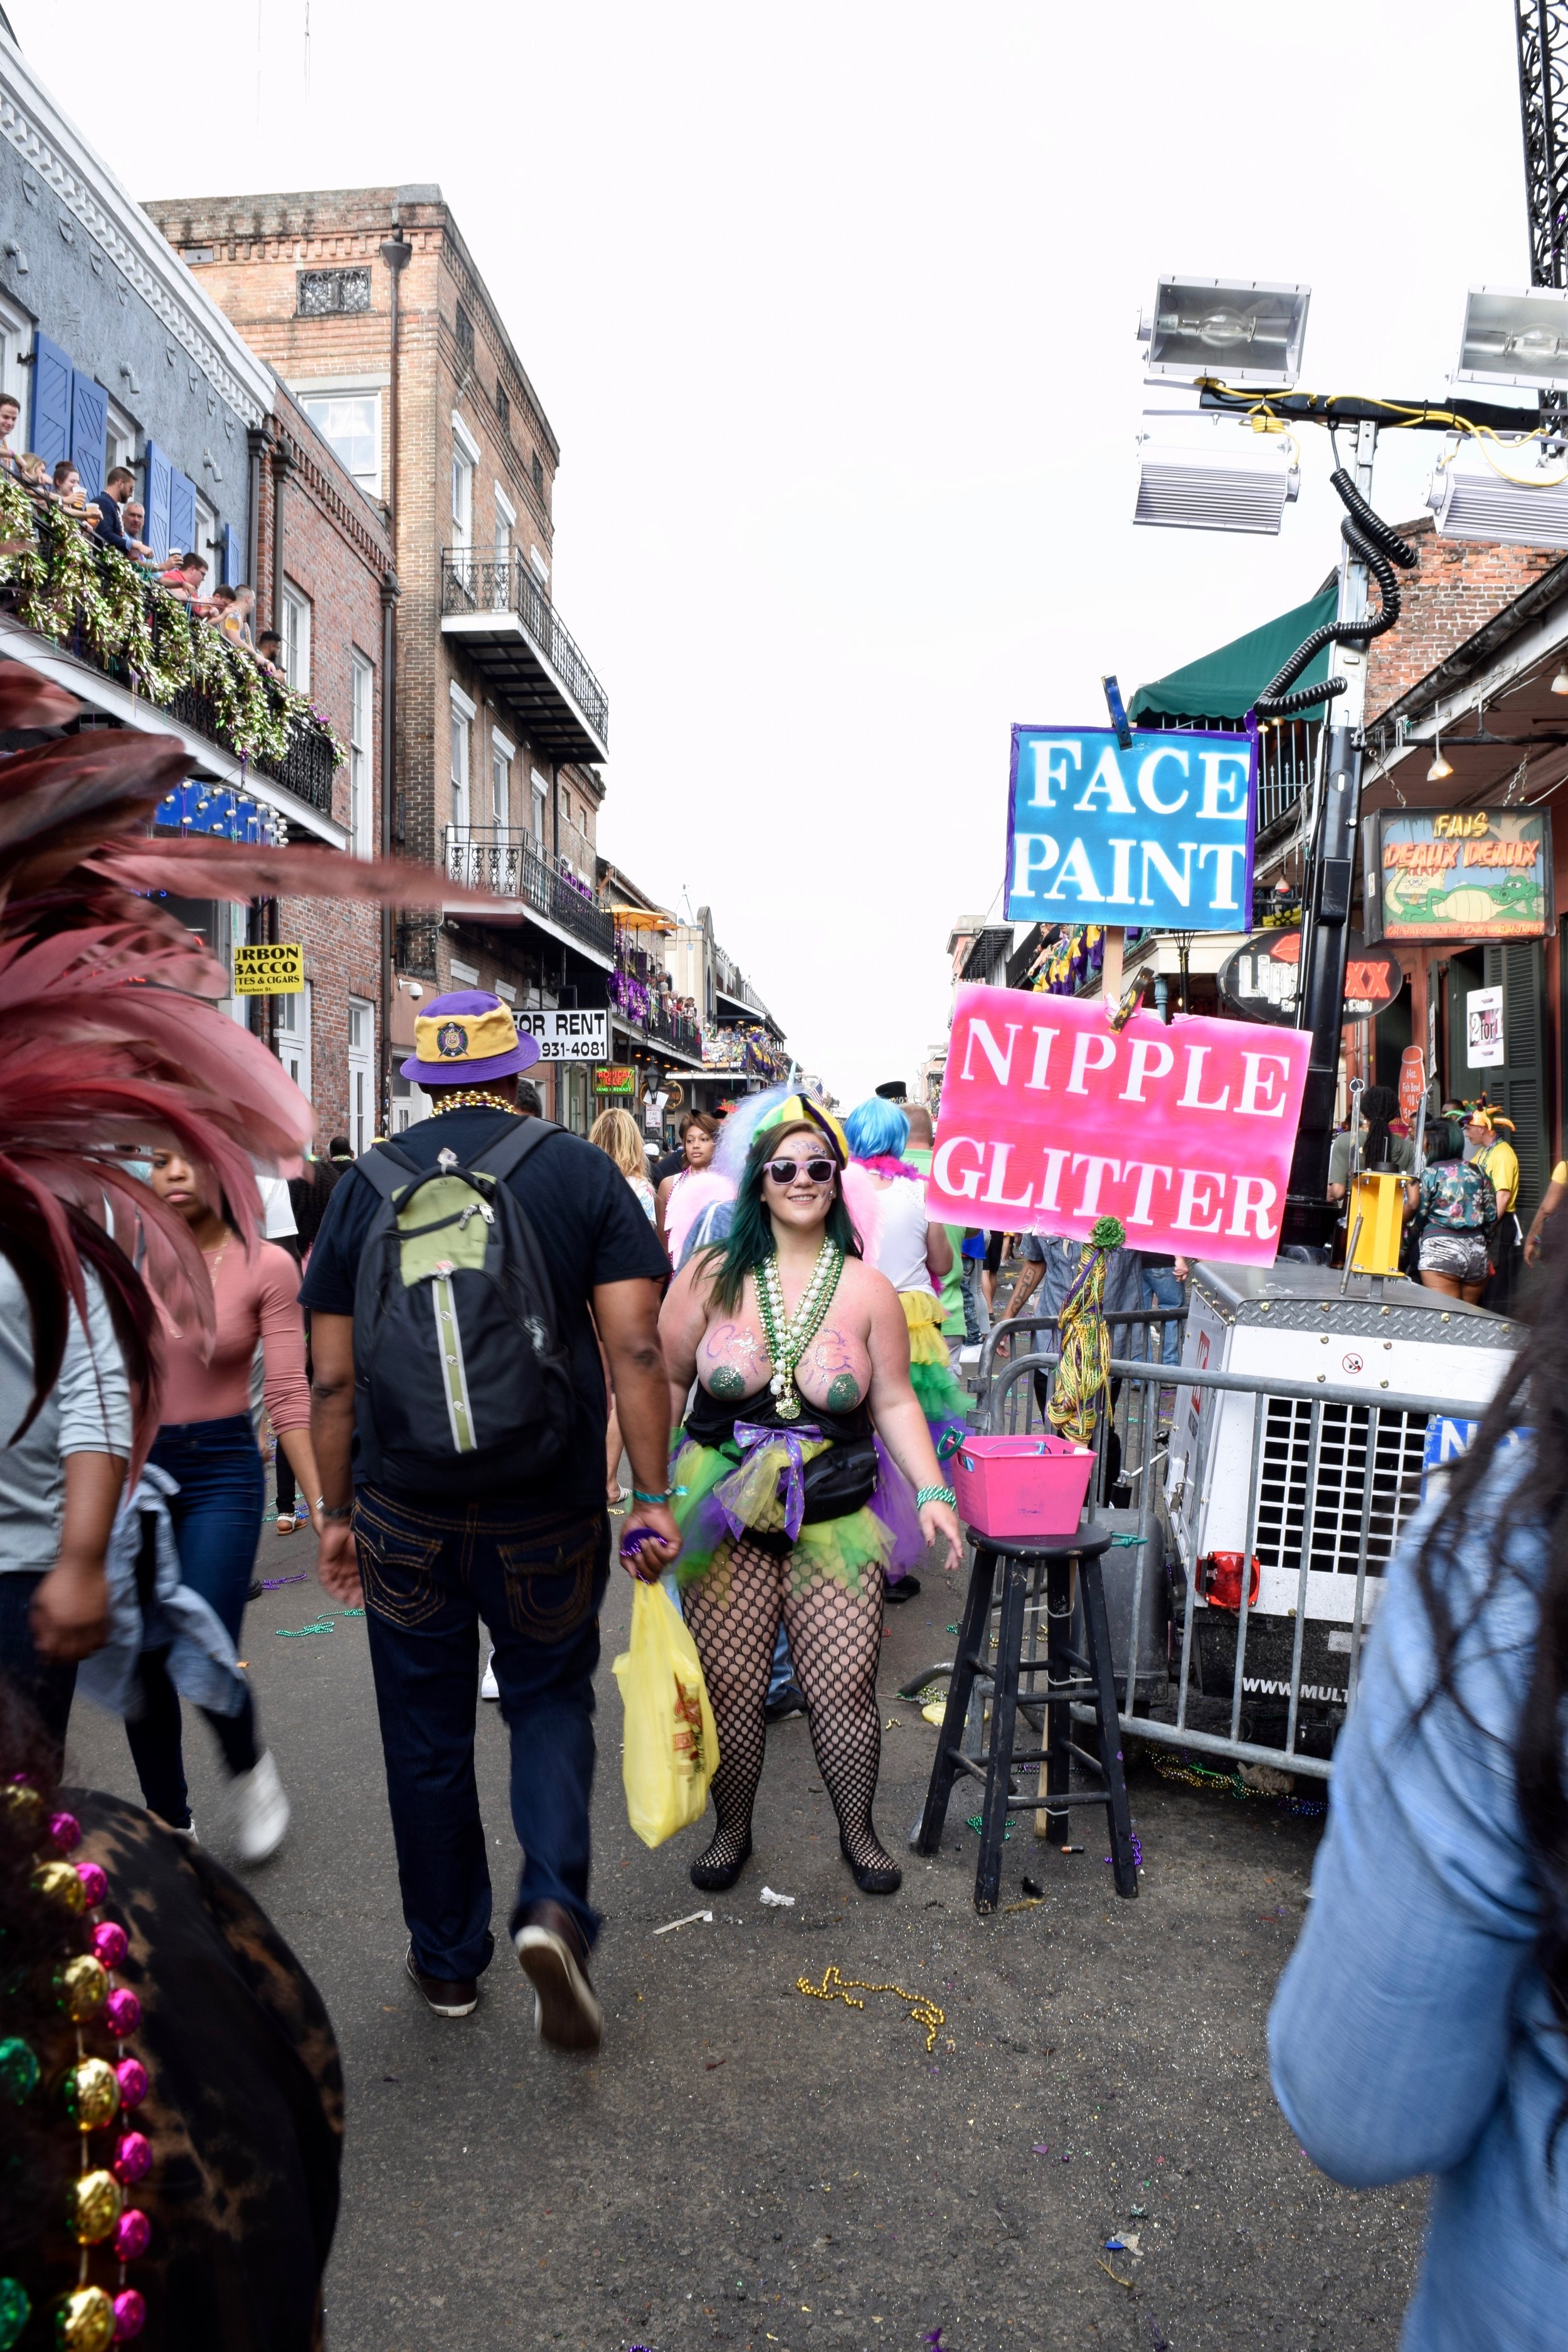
point(447, 1996)
point(555, 1960)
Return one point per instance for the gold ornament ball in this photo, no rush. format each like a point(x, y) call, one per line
point(92, 2094)
point(93, 2206)
point(25, 1806)
point(82, 1987)
point(84, 2321)
point(60, 1883)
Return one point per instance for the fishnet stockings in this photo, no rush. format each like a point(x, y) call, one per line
point(835, 1640)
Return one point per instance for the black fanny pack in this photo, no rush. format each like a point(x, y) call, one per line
point(842, 1480)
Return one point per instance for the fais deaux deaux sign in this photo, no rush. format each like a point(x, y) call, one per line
point(1050, 1118)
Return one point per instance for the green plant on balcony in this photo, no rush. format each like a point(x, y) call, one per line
point(63, 582)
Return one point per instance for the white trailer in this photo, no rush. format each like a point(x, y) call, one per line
point(1241, 1471)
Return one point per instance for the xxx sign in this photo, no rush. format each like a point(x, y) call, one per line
point(1156, 836)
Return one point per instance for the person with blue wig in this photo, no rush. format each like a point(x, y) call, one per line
point(889, 1205)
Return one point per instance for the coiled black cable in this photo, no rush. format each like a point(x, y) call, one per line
point(1366, 535)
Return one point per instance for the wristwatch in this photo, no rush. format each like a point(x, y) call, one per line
point(346, 1512)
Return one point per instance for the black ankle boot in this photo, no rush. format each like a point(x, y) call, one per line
point(717, 1877)
point(873, 1878)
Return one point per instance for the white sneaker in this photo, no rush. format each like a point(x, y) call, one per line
point(258, 1813)
point(489, 1686)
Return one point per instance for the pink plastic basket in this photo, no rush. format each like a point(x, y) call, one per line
point(1022, 1490)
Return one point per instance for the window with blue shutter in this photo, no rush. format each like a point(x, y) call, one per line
point(160, 475)
point(50, 438)
point(90, 425)
point(181, 511)
point(232, 556)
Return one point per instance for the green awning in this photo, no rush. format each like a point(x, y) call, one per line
point(1227, 683)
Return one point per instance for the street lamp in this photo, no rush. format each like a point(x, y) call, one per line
point(1527, 506)
point(1228, 338)
point(1224, 480)
point(1242, 328)
point(1515, 339)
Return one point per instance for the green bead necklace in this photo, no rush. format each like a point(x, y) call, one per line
point(788, 1337)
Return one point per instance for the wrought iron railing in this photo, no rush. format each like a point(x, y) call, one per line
point(675, 1028)
point(307, 767)
point(515, 865)
point(476, 584)
point(1287, 755)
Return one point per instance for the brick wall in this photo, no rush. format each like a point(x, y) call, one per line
point(337, 552)
point(1457, 587)
point(259, 246)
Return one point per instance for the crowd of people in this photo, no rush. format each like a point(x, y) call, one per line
point(115, 517)
point(464, 1337)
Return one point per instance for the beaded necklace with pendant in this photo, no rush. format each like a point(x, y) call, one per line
point(789, 1336)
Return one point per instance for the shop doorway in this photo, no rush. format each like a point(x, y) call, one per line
point(1518, 1084)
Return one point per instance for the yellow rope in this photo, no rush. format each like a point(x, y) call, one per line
point(835, 1987)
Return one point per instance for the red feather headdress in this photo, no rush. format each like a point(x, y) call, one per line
point(111, 1039)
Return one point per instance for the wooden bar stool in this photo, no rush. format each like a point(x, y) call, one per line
point(1045, 1577)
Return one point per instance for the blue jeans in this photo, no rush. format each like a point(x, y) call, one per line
point(781, 1674)
point(217, 1524)
point(537, 1578)
point(1163, 1288)
point(47, 1684)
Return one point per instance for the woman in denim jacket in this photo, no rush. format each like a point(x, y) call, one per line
point(1420, 2026)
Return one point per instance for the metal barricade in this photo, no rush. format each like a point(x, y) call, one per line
point(1143, 1330)
point(1335, 1473)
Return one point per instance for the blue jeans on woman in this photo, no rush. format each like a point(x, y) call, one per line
point(217, 1526)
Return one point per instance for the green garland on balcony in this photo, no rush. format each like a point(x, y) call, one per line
point(62, 579)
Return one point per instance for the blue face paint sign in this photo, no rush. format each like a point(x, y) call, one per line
point(1159, 836)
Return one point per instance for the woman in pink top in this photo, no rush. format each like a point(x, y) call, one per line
point(207, 1443)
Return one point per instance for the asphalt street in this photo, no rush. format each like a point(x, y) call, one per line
point(744, 2165)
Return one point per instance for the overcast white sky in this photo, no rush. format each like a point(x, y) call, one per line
point(832, 310)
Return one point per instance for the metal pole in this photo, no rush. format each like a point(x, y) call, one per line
point(1326, 900)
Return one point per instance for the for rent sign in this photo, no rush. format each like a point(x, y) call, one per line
point(1157, 836)
point(1051, 1119)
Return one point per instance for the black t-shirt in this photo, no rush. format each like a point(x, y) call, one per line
point(670, 1165)
point(591, 1227)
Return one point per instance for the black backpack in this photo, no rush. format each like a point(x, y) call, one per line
point(462, 1385)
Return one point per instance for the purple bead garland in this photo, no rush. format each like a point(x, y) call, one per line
point(122, 2014)
point(133, 2078)
point(129, 2315)
point(108, 1943)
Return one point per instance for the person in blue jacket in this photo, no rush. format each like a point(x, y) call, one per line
point(1422, 2023)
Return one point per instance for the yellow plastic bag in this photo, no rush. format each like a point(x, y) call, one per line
point(671, 1744)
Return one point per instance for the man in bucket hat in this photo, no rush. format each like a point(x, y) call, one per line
point(529, 1556)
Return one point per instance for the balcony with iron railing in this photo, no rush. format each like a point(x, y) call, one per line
point(640, 993)
point(501, 614)
point(309, 760)
point(518, 867)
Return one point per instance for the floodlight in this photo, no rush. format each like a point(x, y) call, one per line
point(1471, 499)
point(1234, 484)
point(1515, 339)
point(1239, 328)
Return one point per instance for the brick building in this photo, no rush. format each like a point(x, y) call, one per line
point(1457, 587)
point(119, 357)
point(368, 304)
point(326, 584)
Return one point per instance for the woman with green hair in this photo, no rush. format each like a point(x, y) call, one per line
point(785, 1480)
